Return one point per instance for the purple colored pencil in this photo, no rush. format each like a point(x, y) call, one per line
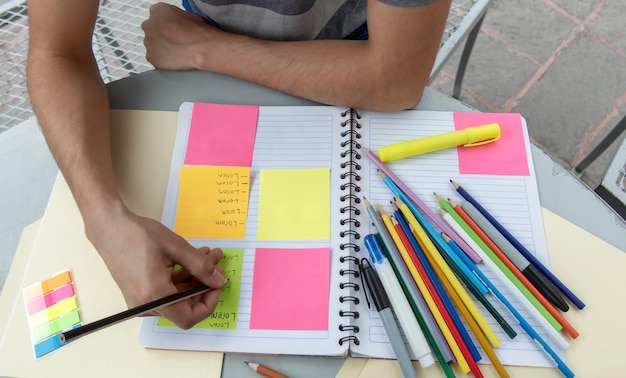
point(423, 207)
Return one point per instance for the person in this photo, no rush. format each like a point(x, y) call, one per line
point(369, 54)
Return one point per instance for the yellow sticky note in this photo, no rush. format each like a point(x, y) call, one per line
point(294, 204)
point(38, 318)
point(212, 202)
point(60, 308)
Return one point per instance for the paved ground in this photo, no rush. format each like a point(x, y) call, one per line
point(560, 63)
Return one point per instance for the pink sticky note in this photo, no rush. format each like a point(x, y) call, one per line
point(221, 135)
point(59, 294)
point(36, 305)
point(290, 289)
point(506, 156)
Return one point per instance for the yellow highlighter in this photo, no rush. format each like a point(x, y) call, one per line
point(469, 137)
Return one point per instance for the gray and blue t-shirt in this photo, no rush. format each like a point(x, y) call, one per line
point(289, 19)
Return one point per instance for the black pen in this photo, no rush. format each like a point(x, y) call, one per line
point(383, 306)
point(143, 309)
point(538, 280)
point(521, 249)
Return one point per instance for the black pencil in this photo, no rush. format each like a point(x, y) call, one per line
point(143, 309)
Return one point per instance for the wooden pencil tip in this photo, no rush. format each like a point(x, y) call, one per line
point(364, 149)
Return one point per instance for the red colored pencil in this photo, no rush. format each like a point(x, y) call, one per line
point(498, 252)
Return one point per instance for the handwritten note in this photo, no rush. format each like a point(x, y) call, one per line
point(294, 204)
point(212, 202)
point(291, 289)
point(221, 135)
point(507, 156)
point(227, 311)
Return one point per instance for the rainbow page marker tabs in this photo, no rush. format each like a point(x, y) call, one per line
point(52, 308)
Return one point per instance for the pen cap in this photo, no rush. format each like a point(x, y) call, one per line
point(376, 253)
point(376, 289)
point(484, 134)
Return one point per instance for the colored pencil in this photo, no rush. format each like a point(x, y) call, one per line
point(487, 245)
point(518, 289)
point(424, 317)
point(264, 370)
point(436, 306)
point(506, 327)
point(416, 299)
point(471, 212)
point(401, 186)
point(522, 322)
point(534, 276)
point(471, 322)
point(529, 291)
point(564, 289)
point(416, 254)
point(413, 218)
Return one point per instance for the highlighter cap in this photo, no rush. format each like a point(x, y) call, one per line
point(482, 134)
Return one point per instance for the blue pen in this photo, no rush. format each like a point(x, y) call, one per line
point(523, 323)
point(567, 292)
point(411, 290)
point(383, 306)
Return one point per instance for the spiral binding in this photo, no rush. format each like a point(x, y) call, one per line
point(349, 197)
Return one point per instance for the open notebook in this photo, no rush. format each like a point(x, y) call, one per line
point(280, 190)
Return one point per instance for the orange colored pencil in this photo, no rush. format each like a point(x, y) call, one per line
point(553, 311)
point(264, 370)
point(471, 322)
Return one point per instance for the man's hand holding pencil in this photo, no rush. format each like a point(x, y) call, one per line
point(142, 255)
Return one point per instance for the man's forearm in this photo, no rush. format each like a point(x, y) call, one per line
point(331, 71)
point(388, 71)
point(71, 105)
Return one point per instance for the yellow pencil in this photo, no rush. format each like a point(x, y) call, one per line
point(431, 250)
point(480, 337)
point(421, 285)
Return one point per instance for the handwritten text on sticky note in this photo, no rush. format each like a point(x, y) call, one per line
point(212, 202)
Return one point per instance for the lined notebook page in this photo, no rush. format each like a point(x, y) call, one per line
point(286, 138)
point(511, 199)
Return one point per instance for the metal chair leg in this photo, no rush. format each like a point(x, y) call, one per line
point(467, 51)
point(602, 146)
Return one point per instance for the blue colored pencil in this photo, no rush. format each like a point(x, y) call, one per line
point(529, 256)
point(523, 323)
point(440, 290)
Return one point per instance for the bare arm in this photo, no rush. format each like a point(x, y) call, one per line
point(386, 72)
point(71, 104)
